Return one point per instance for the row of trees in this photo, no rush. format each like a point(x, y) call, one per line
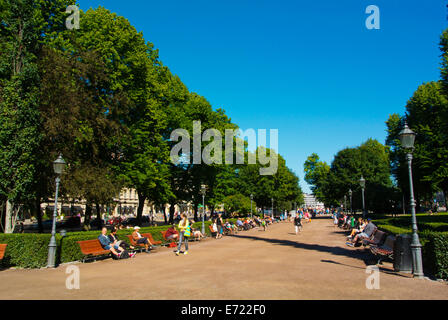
point(385, 168)
point(101, 96)
point(330, 183)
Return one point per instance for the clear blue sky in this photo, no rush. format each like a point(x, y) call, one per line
point(310, 69)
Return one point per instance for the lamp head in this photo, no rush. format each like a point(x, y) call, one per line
point(59, 165)
point(407, 137)
point(362, 182)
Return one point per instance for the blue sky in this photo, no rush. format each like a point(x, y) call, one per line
point(310, 69)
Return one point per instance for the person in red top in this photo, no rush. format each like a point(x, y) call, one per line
point(171, 233)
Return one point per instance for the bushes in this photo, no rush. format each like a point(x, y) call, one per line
point(433, 237)
point(435, 254)
point(30, 250)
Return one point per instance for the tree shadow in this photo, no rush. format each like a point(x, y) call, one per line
point(338, 251)
point(382, 269)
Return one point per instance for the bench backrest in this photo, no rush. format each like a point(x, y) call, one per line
point(149, 236)
point(2, 250)
point(379, 236)
point(131, 239)
point(89, 246)
point(389, 242)
point(164, 234)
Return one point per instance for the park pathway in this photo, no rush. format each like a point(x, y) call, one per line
point(276, 264)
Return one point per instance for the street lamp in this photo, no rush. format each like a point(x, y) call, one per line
point(350, 192)
point(203, 190)
point(272, 199)
point(58, 167)
point(251, 198)
point(345, 203)
point(407, 138)
point(362, 183)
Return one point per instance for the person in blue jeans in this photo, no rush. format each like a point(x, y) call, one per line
point(184, 224)
point(108, 245)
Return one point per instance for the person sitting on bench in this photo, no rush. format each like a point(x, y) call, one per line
point(171, 233)
point(114, 239)
point(108, 245)
point(366, 233)
point(196, 233)
point(359, 227)
point(141, 240)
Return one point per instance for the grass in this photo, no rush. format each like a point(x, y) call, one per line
point(402, 224)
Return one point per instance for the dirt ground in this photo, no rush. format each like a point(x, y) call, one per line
point(276, 264)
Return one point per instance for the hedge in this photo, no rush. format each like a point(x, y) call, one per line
point(30, 250)
point(435, 254)
point(434, 248)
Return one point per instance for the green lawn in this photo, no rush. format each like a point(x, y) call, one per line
point(426, 223)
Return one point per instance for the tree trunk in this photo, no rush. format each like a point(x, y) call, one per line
point(164, 213)
point(2, 215)
point(141, 204)
point(8, 216)
point(87, 215)
point(417, 203)
point(38, 215)
point(172, 209)
point(195, 212)
point(98, 216)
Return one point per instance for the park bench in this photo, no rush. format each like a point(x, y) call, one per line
point(151, 239)
point(140, 246)
point(2, 251)
point(213, 233)
point(385, 250)
point(171, 242)
point(376, 239)
point(91, 249)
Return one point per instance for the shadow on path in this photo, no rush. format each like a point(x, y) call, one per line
point(338, 251)
point(382, 269)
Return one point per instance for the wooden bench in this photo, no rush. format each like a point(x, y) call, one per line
point(213, 233)
point(171, 243)
point(91, 249)
point(2, 251)
point(385, 250)
point(377, 239)
point(140, 246)
point(151, 239)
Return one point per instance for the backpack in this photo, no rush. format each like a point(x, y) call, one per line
point(124, 255)
point(187, 232)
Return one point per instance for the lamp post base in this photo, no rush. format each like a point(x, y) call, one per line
point(416, 249)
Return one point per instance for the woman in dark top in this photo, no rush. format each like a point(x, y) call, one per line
point(113, 237)
point(219, 224)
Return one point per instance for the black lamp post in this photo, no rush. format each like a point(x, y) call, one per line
point(362, 183)
point(407, 138)
point(350, 192)
point(251, 198)
point(58, 167)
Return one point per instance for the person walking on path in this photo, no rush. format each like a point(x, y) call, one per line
point(297, 223)
point(184, 233)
